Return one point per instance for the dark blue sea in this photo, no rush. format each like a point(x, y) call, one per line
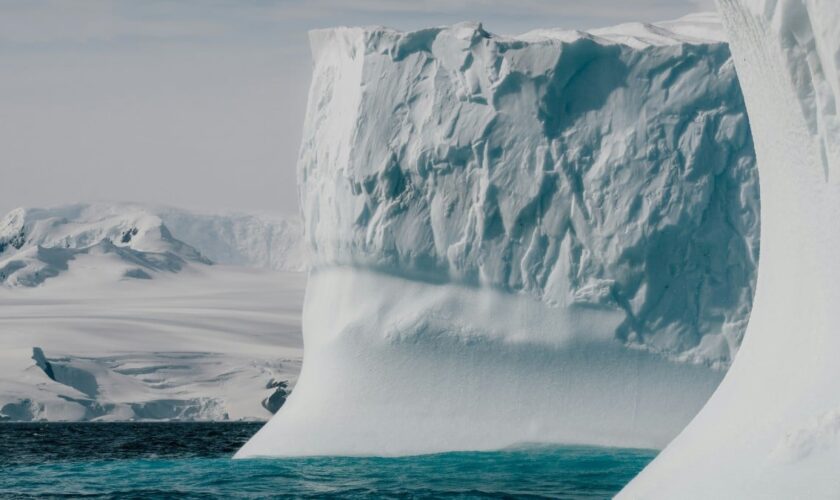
point(192, 460)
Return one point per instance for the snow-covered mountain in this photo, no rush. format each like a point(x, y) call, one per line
point(127, 241)
point(772, 429)
point(126, 312)
point(549, 237)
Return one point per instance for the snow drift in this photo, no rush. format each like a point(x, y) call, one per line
point(772, 429)
point(549, 237)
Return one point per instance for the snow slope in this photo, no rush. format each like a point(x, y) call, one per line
point(772, 429)
point(206, 345)
point(549, 237)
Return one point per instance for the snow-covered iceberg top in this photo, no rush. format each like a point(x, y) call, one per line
point(612, 169)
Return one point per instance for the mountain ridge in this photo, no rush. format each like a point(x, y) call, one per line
point(138, 241)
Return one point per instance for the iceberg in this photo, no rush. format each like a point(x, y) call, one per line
point(772, 429)
point(543, 238)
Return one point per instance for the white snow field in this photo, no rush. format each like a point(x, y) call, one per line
point(772, 429)
point(106, 315)
point(543, 238)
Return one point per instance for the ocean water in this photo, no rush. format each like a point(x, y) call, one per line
point(192, 460)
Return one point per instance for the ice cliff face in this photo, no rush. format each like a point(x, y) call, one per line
point(772, 428)
point(569, 166)
point(550, 237)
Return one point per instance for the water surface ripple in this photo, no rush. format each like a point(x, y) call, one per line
point(192, 460)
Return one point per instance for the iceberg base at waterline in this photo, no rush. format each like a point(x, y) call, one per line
point(437, 367)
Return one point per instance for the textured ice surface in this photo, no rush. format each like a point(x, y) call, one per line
point(771, 429)
point(549, 237)
point(582, 172)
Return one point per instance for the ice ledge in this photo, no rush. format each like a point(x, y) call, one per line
point(699, 28)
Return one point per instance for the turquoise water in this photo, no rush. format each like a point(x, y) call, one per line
point(138, 461)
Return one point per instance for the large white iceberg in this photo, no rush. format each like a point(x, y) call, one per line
point(549, 237)
point(772, 429)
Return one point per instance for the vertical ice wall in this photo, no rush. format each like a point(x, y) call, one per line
point(545, 238)
point(772, 429)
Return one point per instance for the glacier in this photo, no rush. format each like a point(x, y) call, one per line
point(195, 346)
point(550, 237)
point(772, 429)
point(124, 311)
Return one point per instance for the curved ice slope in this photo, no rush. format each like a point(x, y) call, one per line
point(544, 238)
point(772, 428)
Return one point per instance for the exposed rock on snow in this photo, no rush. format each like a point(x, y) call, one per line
point(556, 232)
point(771, 429)
point(277, 398)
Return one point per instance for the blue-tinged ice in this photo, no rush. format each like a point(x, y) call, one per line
point(551, 237)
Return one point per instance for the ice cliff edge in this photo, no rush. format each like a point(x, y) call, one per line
point(549, 237)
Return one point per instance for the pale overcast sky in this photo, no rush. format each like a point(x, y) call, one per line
point(199, 103)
